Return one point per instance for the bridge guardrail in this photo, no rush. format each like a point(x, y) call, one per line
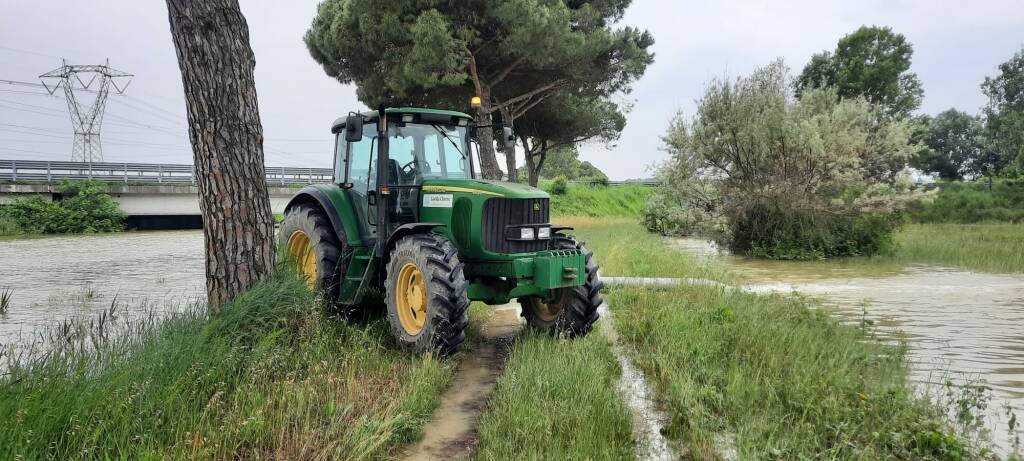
point(52, 172)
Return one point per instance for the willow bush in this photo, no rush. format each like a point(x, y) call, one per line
point(768, 174)
point(85, 208)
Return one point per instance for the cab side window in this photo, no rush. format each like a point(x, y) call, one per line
point(360, 155)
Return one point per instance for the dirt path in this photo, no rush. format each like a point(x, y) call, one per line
point(451, 432)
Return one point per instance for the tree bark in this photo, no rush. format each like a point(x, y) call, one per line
point(531, 169)
point(211, 39)
point(534, 155)
point(488, 161)
point(510, 154)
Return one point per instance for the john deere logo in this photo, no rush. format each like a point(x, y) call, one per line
point(536, 207)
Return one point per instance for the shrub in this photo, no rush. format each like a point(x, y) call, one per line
point(665, 216)
point(972, 202)
point(771, 175)
point(771, 231)
point(559, 186)
point(84, 208)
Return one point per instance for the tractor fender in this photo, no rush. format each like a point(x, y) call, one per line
point(408, 229)
point(346, 231)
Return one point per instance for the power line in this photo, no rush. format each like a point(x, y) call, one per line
point(126, 103)
point(30, 105)
point(31, 111)
point(17, 50)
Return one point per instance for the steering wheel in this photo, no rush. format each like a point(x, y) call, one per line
point(408, 167)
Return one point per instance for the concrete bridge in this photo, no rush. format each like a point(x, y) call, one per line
point(154, 196)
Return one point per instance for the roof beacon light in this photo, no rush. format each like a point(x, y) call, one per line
point(475, 101)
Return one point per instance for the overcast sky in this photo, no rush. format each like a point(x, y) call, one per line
point(956, 44)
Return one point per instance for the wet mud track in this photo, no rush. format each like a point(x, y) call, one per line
point(452, 432)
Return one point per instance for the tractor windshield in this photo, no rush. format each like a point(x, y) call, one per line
point(422, 151)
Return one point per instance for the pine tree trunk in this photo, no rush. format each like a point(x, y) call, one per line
point(510, 154)
point(211, 38)
point(533, 172)
point(532, 169)
point(488, 161)
point(510, 165)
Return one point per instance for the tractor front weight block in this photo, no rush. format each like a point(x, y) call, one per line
point(534, 275)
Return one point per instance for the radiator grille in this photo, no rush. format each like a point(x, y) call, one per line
point(501, 212)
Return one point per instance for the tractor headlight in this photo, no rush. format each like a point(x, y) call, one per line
point(526, 233)
point(543, 233)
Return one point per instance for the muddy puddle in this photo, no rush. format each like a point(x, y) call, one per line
point(961, 326)
point(451, 433)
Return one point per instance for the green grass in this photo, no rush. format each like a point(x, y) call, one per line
point(973, 202)
point(982, 247)
point(778, 376)
point(556, 399)
point(267, 376)
point(8, 226)
point(624, 248)
point(601, 201)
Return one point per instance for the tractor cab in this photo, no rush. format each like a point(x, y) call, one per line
point(420, 145)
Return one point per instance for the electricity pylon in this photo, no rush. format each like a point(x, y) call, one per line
point(86, 118)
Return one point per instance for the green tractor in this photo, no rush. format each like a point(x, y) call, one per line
point(406, 216)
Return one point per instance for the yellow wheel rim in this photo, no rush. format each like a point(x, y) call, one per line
point(411, 299)
point(548, 312)
point(300, 248)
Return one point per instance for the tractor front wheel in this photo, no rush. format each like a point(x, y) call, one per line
point(426, 294)
point(572, 311)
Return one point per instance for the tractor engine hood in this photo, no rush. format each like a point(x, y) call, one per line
point(482, 187)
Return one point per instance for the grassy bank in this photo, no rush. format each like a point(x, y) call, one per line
point(973, 202)
point(267, 376)
point(768, 376)
point(624, 248)
point(556, 399)
point(776, 378)
point(981, 247)
point(600, 201)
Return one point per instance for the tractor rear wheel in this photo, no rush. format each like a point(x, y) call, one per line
point(573, 310)
point(308, 239)
point(426, 294)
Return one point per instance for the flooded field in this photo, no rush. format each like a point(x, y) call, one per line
point(53, 278)
point(962, 326)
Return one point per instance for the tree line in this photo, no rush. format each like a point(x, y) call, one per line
point(874, 63)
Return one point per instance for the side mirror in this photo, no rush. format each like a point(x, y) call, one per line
point(354, 128)
point(508, 138)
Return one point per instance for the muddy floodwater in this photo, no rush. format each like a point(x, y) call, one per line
point(962, 326)
point(54, 278)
